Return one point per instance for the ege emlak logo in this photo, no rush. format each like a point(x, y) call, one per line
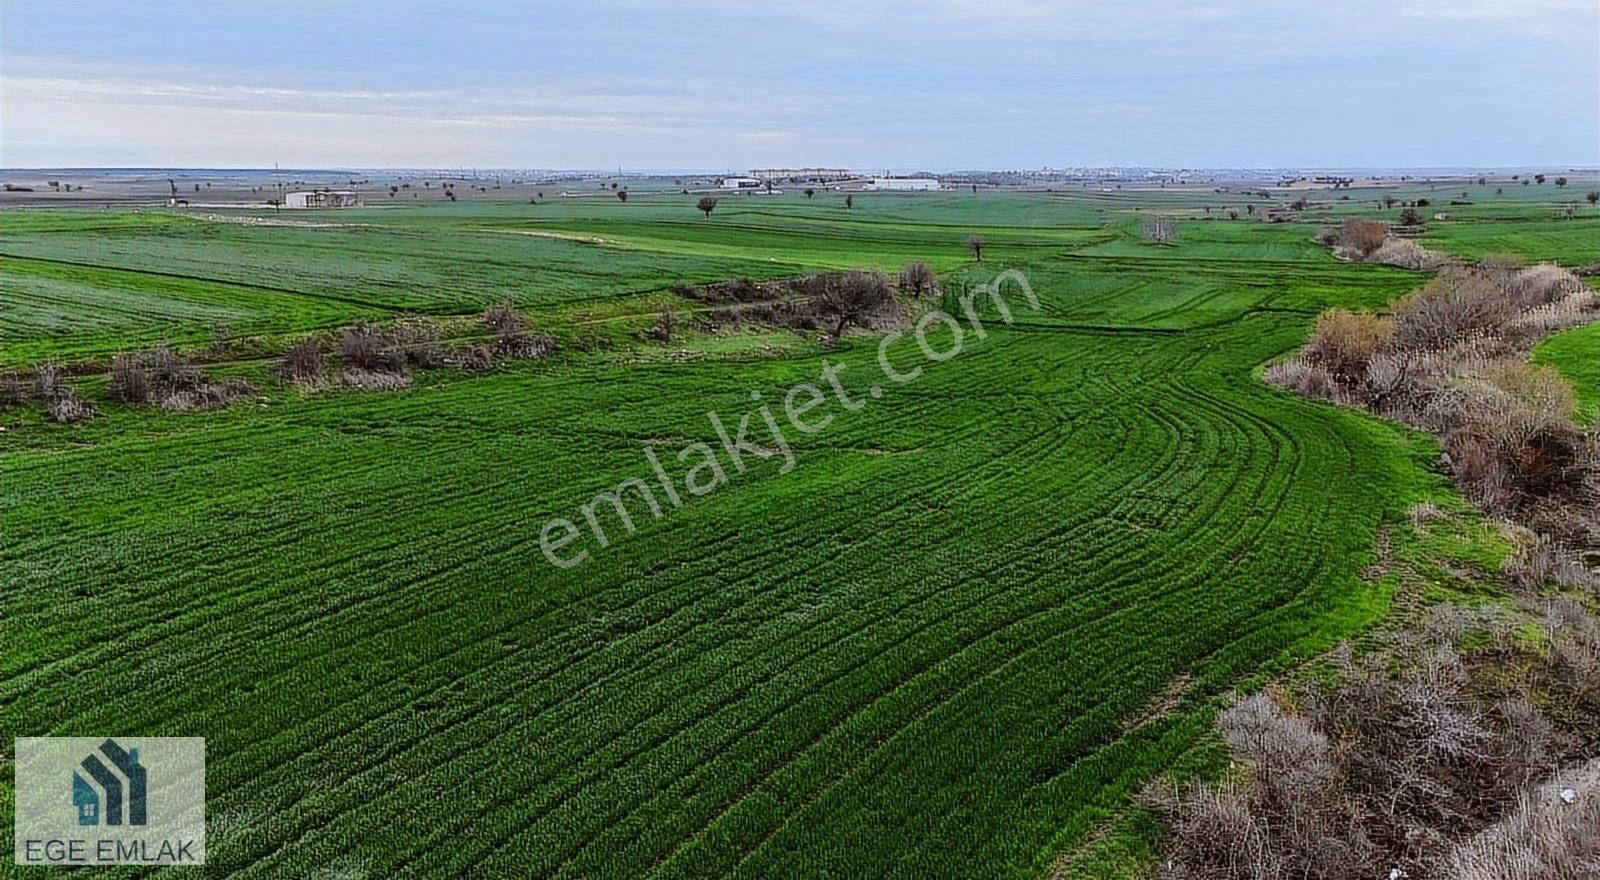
point(86, 799)
point(96, 800)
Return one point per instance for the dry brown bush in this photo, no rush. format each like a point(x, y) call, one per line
point(65, 406)
point(167, 379)
point(1361, 237)
point(361, 348)
point(1287, 818)
point(1407, 254)
point(1514, 438)
point(302, 362)
point(665, 328)
point(1453, 305)
point(475, 359)
point(374, 380)
point(13, 389)
point(1542, 284)
point(170, 371)
point(129, 381)
point(415, 341)
point(524, 345)
point(1553, 317)
point(917, 279)
point(207, 395)
point(503, 319)
point(1404, 756)
point(1344, 341)
point(1552, 834)
point(1304, 378)
point(50, 382)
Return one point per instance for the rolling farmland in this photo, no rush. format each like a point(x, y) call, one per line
point(980, 611)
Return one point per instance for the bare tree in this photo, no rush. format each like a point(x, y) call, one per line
point(1593, 197)
point(1410, 217)
point(706, 205)
point(1161, 230)
point(975, 245)
point(852, 298)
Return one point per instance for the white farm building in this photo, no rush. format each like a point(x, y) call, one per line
point(338, 198)
point(739, 183)
point(903, 183)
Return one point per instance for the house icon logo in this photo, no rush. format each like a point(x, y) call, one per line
point(109, 787)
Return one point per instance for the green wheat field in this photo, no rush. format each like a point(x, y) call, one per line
point(978, 613)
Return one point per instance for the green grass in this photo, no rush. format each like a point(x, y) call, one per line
point(1576, 353)
point(930, 649)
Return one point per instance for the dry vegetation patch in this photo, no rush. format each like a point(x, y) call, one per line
point(1450, 358)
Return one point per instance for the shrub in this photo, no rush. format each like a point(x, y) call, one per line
point(1450, 307)
point(1410, 217)
point(1514, 436)
point(665, 327)
point(209, 395)
point(170, 371)
point(50, 382)
point(1344, 341)
point(1543, 284)
point(13, 389)
point(475, 359)
point(374, 380)
point(503, 319)
point(1553, 832)
point(1288, 818)
point(302, 362)
point(129, 381)
point(65, 406)
point(1361, 237)
point(415, 341)
point(360, 348)
point(918, 280)
point(524, 345)
point(1304, 378)
point(1407, 254)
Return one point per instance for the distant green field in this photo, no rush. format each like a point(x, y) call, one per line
point(977, 615)
point(1572, 242)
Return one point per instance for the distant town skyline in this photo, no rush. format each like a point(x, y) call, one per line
point(952, 84)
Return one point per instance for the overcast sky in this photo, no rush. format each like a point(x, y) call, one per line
point(861, 83)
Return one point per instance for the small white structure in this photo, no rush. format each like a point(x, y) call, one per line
point(739, 183)
point(906, 184)
point(337, 198)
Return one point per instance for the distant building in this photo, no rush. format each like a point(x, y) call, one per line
point(903, 183)
point(739, 183)
point(803, 175)
point(338, 198)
